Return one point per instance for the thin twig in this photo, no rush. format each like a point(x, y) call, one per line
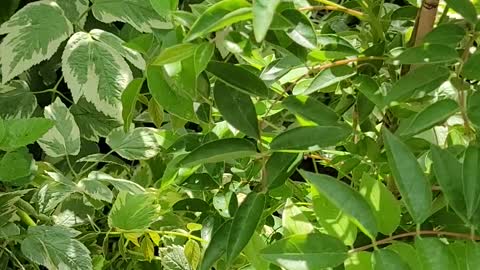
point(409, 234)
point(352, 12)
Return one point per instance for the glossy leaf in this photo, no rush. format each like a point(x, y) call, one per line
point(346, 199)
point(306, 252)
point(311, 109)
point(22, 132)
point(385, 205)
point(279, 167)
point(448, 172)
point(219, 150)
point(465, 8)
point(300, 30)
point(244, 223)
point(328, 77)
point(129, 100)
point(217, 246)
point(334, 221)
point(219, 15)
point(175, 53)
point(425, 79)
point(387, 259)
point(294, 221)
point(409, 177)
point(169, 98)
point(427, 54)
point(263, 12)
point(434, 254)
point(238, 78)
point(470, 174)
point(309, 138)
point(432, 115)
point(139, 143)
point(237, 108)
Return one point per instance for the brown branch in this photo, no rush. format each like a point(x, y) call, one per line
point(352, 12)
point(409, 234)
point(425, 21)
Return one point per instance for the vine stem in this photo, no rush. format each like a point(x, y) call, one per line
point(416, 233)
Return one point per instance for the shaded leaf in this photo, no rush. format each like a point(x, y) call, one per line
point(311, 109)
point(465, 8)
point(470, 175)
point(427, 54)
point(434, 254)
point(387, 259)
point(279, 167)
point(18, 102)
point(129, 100)
point(217, 246)
point(22, 132)
point(309, 138)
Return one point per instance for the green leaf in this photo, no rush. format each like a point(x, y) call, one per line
point(138, 13)
point(219, 150)
point(22, 132)
point(279, 167)
point(175, 53)
point(16, 164)
point(346, 199)
point(91, 122)
point(237, 108)
point(294, 221)
point(447, 34)
point(139, 143)
point(218, 16)
point(311, 109)
point(156, 112)
point(387, 259)
point(448, 172)
point(328, 77)
point(173, 258)
point(132, 212)
point(300, 30)
point(473, 108)
point(464, 8)
point(120, 184)
point(170, 98)
point(73, 212)
point(18, 102)
point(334, 222)
point(472, 250)
point(385, 205)
point(96, 71)
point(429, 117)
point(359, 261)
point(425, 79)
point(129, 100)
point(64, 138)
point(470, 68)
point(164, 7)
point(309, 138)
point(202, 56)
point(409, 178)
point(244, 223)
point(470, 175)
point(55, 248)
point(250, 251)
point(407, 253)
point(217, 246)
point(263, 12)
point(238, 78)
point(370, 89)
point(193, 253)
point(427, 54)
point(34, 34)
point(434, 254)
point(306, 252)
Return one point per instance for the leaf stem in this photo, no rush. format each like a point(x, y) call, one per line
point(56, 92)
point(415, 233)
point(83, 171)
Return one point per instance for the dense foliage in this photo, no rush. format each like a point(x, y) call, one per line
point(238, 134)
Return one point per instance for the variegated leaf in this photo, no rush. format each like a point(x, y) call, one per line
point(138, 13)
point(96, 71)
point(16, 100)
point(138, 143)
point(92, 123)
point(116, 44)
point(74, 10)
point(34, 33)
point(64, 138)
